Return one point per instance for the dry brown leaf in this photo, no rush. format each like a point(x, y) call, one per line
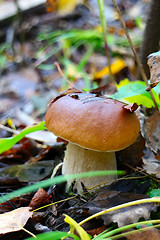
point(154, 65)
point(152, 132)
point(131, 107)
point(14, 220)
point(148, 234)
point(96, 231)
point(40, 198)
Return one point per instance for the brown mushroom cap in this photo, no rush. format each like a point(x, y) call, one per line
point(97, 123)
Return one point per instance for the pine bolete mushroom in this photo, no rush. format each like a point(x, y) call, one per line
point(95, 128)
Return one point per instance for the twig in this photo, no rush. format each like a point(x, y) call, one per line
point(61, 73)
point(139, 170)
point(134, 52)
point(48, 205)
point(9, 129)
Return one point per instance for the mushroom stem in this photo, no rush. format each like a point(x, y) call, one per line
point(78, 160)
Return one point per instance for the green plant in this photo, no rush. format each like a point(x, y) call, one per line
point(108, 234)
point(55, 180)
point(154, 193)
point(69, 41)
point(54, 235)
point(3, 55)
point(7, 143)
point(135, 92)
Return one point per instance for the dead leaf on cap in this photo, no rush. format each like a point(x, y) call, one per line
point(148, 234)
point(14, 220)
point(107, 89)
point(68, 91)
point(131, 107)
point(154, 65)
point(72, 90)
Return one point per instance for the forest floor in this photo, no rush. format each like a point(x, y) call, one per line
point(32, 41)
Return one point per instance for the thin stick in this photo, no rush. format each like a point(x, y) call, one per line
point(29, 232)
point(9, 129)
point(142, 172)
point(60, 71)
point(63, 200)
point(134, 52)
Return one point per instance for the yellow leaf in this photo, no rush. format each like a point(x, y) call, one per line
point(66, 7)
point(75, 226)
point(62, 7)
point(122, 83)
point(116, 67)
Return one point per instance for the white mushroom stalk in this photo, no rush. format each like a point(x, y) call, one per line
point(78, 160)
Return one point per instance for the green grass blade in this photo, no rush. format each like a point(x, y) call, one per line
point(125, 228)
point(7, 143)
point(55, 180)
point(57, 235)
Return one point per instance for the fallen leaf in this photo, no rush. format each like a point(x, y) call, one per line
point(96, 231)
point(154, 65)
point(14, 220)
point(148, 234)
point(151, 131)
point(29, 172)
point(116, 67)
point(62, 7)
point(107, 199)
point(40, 198)
point(19, 153)
point(17, 202)
point(131, 107)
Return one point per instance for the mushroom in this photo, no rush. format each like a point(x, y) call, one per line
point(95, 128)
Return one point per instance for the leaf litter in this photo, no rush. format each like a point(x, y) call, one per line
point(30, 91)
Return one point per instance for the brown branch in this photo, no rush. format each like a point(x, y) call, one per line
point(61, 73)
